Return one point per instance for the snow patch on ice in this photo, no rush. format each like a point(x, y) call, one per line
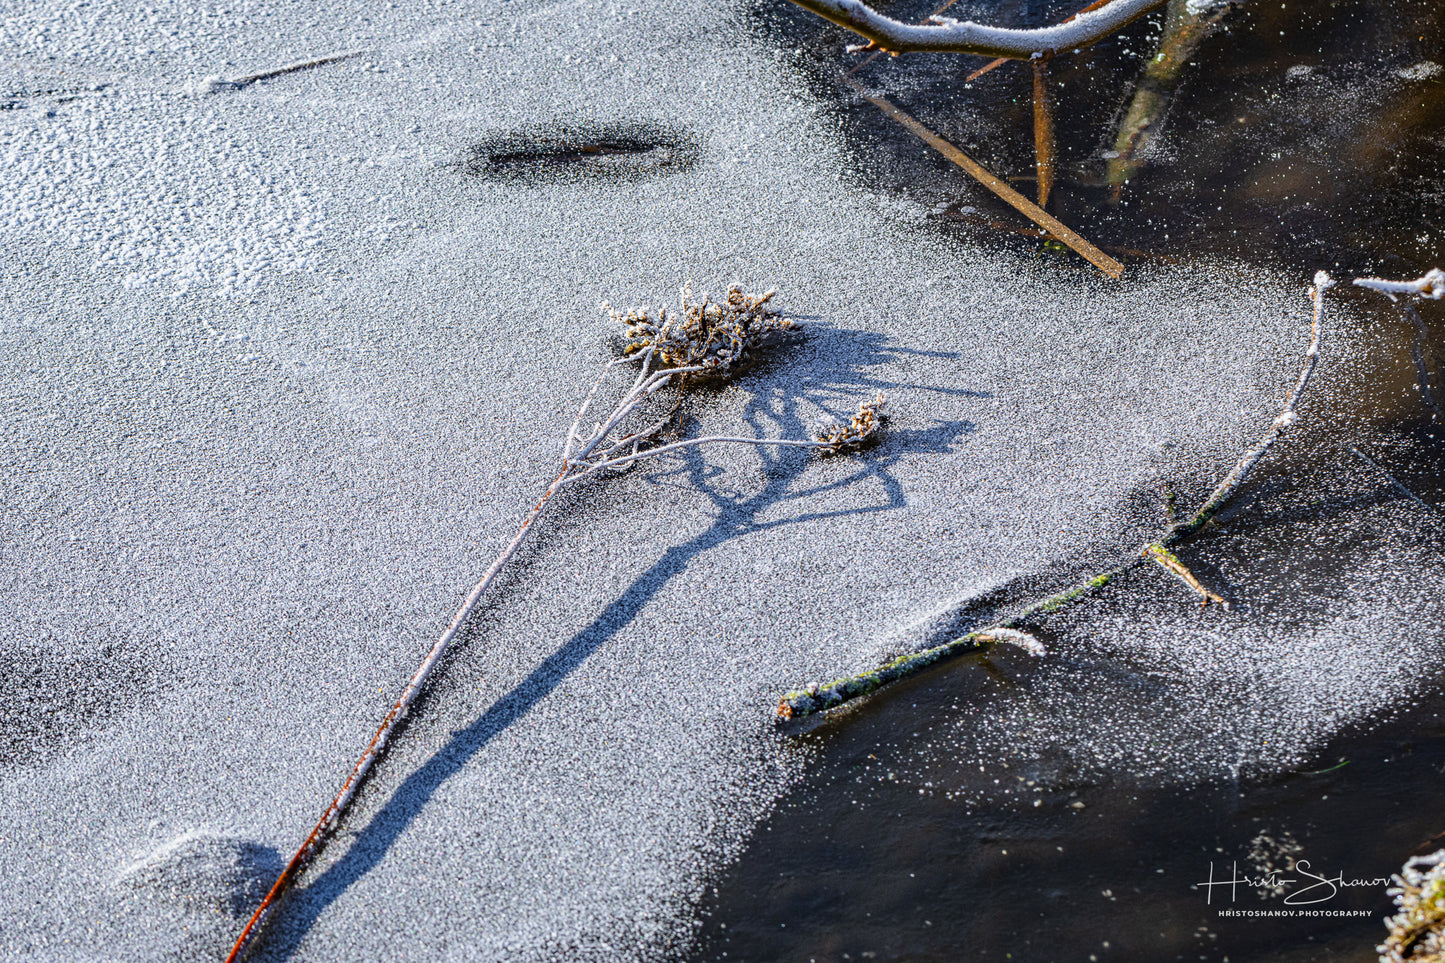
point(176, 204)
point(1425, 70)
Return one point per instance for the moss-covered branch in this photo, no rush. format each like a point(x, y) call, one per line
point(818, 698)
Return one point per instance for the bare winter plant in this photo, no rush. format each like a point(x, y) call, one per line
point(709, 341)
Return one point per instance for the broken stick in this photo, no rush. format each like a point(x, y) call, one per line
point(1022, 204)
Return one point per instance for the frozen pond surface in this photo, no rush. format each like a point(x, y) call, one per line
point(286, 362)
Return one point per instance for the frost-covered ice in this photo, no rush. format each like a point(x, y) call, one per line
point(1424, 70)
point(281, 379)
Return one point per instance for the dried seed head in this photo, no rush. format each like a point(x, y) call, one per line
point(837, 437)
point(721, 337)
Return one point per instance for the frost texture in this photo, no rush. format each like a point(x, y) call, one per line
point(1417, 930)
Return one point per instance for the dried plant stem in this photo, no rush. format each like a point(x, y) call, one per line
point(953, 36)
point(818, 698)
point(986, 68)
point(1417, 930)
point(719, 338)
point(1022, 204)
point(1225, 490)
point(378, 743)
point(1043, 133)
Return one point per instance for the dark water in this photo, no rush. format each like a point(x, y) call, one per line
point(1304, 136)
point(865, 865)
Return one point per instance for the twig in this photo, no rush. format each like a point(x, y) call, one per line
point(1043, 133)
point(1023, 640)
point(1171, 563)
point(211, 85)
point(1432, 285)
point(1394, 481)
point(1287, 417)
point(954, 36)
point(1022, 204)
point(991, 65)
point(818, 698)
point(707, 339)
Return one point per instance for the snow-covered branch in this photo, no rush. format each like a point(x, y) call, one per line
point(945, 35)
point(1432, 285)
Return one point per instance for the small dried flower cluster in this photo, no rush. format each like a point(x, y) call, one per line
point(837, 437)
point(1417, 930)
point(720, 337)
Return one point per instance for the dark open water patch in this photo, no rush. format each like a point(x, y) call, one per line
point(564, 152)
point(872, 865)
point(1307, 132)
point(1079, 806)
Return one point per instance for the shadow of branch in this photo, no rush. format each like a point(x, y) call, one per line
point(772, 410)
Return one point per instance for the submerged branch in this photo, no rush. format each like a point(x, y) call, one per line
point(1188, 23)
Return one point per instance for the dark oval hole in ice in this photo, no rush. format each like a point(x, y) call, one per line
point(628, 151)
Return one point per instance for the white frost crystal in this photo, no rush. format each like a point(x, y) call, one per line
point(1417, 930)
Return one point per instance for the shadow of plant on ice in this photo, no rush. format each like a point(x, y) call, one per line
point(776, 394)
